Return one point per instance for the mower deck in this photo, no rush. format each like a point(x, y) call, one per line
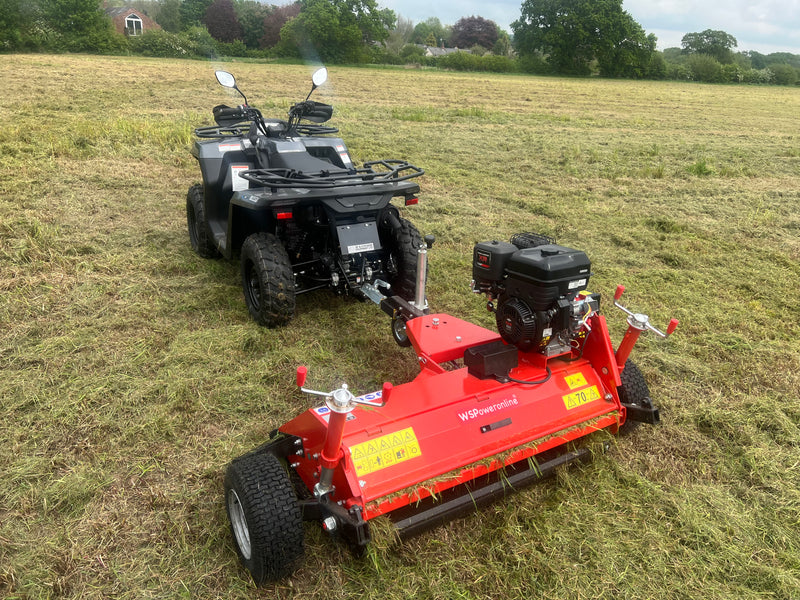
point(449, 427)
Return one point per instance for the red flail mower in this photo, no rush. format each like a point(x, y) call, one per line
point(489, 412)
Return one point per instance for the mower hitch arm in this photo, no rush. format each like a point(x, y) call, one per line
point(637, 324)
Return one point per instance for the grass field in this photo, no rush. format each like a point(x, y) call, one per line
point(132, 374)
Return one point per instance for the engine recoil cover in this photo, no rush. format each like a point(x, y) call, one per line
point(517, 323)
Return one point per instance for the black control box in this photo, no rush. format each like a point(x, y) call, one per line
point(492, 360)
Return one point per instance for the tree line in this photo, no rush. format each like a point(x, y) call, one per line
point(560, 37)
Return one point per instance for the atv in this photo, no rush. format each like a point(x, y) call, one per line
point(285, 196)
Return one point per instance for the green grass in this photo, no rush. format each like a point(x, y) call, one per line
point(132, 374)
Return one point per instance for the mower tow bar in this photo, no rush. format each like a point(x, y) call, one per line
point(341, 402)
point(637, 324)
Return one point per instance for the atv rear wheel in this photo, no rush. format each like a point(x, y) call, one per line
point(267, 280)
point(634, 391)
point(265, 517)
point(199, 232)
point(403, 241)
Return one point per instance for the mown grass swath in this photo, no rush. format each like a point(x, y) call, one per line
point(132, 372)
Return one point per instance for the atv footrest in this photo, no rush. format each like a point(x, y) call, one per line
point(455, 502)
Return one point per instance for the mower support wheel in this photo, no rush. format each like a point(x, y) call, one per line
point(403, 241)
point(197, 224)
point(265, 517)
point(267, 280)
point(399, 332)
point(634, 391)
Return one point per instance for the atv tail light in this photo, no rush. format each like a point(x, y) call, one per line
point(412, 200)
point(283, 215)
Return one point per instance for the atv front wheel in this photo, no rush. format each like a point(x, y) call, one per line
point(265, 517)
point(403, 242)
point(267, 280)
point(634, 391)
point(199, 232)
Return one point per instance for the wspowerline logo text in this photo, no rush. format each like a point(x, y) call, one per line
point(474, 413)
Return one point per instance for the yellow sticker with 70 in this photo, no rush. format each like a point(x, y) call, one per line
point(581, 397)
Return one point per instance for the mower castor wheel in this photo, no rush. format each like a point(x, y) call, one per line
point(264, 515)
point(399, 332)
point(633, 390)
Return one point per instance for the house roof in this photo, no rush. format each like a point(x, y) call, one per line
point(436, 51)
point(120, 11)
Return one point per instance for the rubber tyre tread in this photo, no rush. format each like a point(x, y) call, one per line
point(273, 269)
point(197, 224)
point(633, 390)
point(404, 241)
point(272, 513)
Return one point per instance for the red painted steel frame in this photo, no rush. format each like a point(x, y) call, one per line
point(436, 427)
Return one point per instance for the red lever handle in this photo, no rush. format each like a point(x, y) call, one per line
point(387, 390)
point(301, 376)
point(619, 292)
point(673, 325)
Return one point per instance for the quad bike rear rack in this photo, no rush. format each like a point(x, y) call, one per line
point(392, 171)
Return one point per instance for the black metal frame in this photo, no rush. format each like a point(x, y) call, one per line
point(396, 171)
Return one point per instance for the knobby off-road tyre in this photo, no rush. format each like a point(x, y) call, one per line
point(199, 232)
point(265, 518)
point(402, 243)
point(267, 280)
point(633, 390)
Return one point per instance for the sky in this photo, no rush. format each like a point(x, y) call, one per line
point(762, 25)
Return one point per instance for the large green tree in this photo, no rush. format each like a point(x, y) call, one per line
point(193, 12)
point(169, 16)
point(336, 30)
point(715, 43)
point(12, 22)
point(572, 33)
point(79, 26)
point(431, 30)
point(251, 15)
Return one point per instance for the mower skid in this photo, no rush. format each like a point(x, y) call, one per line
point(469, 497)
point(642, 414)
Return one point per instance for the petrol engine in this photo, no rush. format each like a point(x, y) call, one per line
point(537, 290)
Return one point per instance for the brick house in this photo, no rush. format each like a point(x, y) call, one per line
point(130, 21)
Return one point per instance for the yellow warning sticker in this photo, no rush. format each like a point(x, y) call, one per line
point(575, 381)
point(385, 451)
point(581, 397)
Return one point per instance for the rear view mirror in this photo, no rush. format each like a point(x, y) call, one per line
point(225, 79)
point(319, 77)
